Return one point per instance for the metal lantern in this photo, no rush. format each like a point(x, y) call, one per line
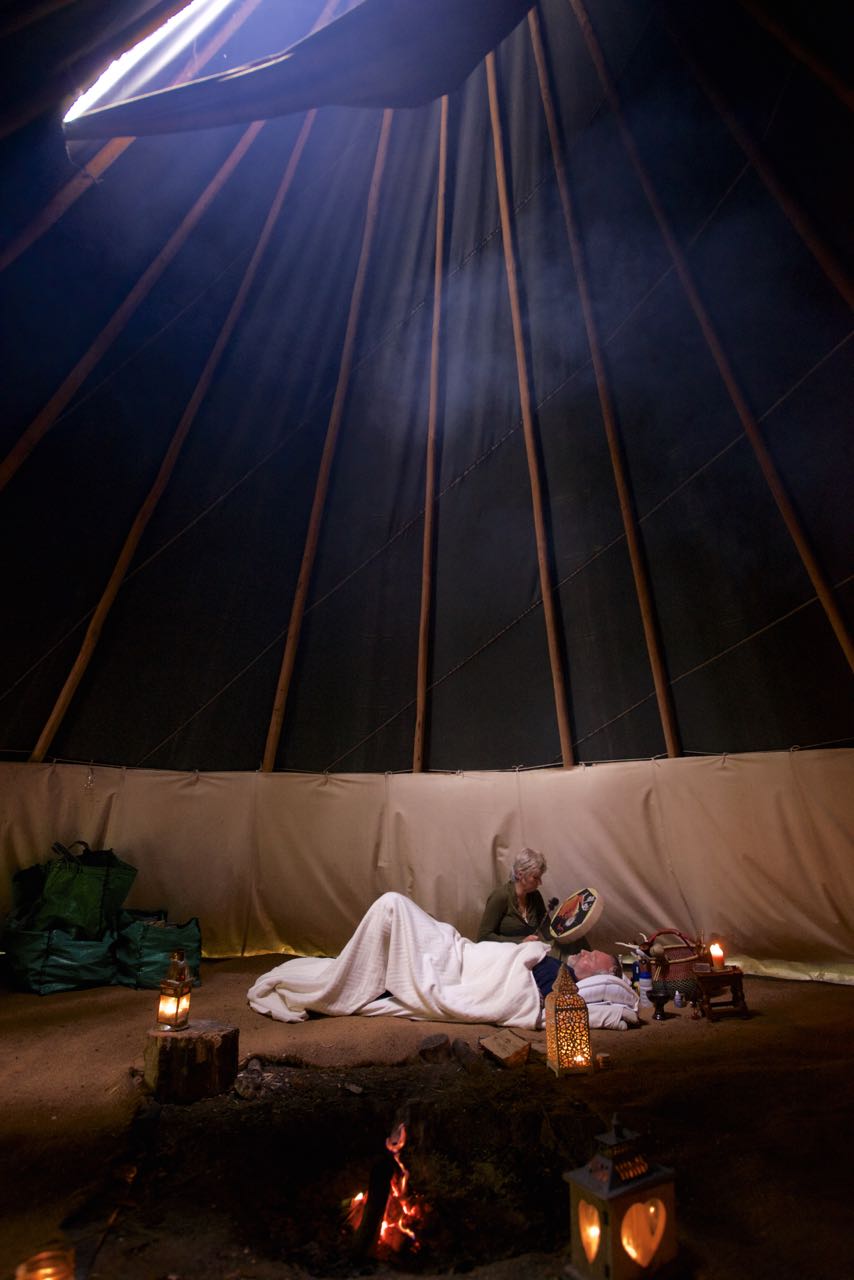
point(173, 1009)
point(567, 1027)
point(55, 1263)
point(622, 1210)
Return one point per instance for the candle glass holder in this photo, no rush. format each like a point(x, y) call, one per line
point(54, 1263)
point(659, 995)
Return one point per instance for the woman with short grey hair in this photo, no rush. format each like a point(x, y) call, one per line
point(516, 912)
point(527, 861)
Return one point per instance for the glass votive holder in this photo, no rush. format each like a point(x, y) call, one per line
point(54, 1263)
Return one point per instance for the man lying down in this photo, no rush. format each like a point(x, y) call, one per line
point(400, 961)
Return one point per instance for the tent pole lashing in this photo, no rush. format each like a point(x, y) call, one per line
point(528, 428)
point(739, 402)
point(274, 731)
point(609, 418)
point(430, 460)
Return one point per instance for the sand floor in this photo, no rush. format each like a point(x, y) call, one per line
point(754, 1115)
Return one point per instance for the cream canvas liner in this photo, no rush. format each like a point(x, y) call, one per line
point(756, 848)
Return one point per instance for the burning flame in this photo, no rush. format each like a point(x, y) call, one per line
point(402, 1211)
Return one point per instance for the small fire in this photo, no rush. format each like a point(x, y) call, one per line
point(402, 1211)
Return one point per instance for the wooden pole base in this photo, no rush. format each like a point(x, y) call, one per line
point(198, 1062)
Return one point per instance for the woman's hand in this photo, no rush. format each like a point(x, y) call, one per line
point(532, 937)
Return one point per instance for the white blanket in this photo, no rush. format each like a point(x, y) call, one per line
point(429, 972)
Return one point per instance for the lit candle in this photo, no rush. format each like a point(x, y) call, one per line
point(50, 1264)
point(173, 1009)
point(716, 951)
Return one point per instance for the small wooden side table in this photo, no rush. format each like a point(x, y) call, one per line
point(721, 982)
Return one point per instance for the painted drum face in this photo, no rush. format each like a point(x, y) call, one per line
point(578, 912)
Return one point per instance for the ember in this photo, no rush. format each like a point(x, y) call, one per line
point(401, 1213)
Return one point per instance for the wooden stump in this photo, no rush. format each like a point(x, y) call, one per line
point(184, 1066)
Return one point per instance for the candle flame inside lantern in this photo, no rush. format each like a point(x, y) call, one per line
point(590, 1228)
point(173, 1009)
point(567, 1027)
point(49, 1264)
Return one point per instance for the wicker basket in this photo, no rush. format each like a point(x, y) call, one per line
point(673, 963)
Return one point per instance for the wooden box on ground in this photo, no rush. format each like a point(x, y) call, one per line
point(506, 1047)
point(198, 1062)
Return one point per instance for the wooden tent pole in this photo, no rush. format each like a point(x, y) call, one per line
point(33, 13)
point(806, 57)
point(609, 418)
point(170, 459)
point(63, 199)
point(44, 420)
point(274, 732)
point(93, 170)
point(430, 462)
point(800, 220)
point(526, 400)
point(748, 421)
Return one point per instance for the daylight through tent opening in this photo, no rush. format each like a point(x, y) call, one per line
point(409, 622)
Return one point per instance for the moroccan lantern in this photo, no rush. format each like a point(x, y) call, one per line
point(622, 1210)
point(567, 1027)
point(54, 1263)
point(173, 1009)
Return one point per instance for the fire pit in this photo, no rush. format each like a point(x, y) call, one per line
point(304, 1171)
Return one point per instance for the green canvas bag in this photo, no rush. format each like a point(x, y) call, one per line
point(144, 945)
point(49, 960)
point(82, 892)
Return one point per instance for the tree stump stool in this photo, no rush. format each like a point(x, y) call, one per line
point(198, 1062)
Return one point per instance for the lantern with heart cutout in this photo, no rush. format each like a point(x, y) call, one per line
point(623, 1211)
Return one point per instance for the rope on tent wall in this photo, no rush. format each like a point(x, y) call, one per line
point(170, 459)
point(748, 421)
point(258, 657)
point(799, 51)
point(274, 732)
point(528, 429)
point(94, 169)
point(431, 452)
point(43, 421)
point(799, 219)
point(609, 418)
point(775, 622)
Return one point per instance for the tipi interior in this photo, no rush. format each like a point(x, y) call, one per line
point(454, 460)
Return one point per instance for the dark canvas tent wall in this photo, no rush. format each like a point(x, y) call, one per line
point(749, 624)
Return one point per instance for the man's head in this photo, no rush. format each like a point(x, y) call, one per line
point(588, 964)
